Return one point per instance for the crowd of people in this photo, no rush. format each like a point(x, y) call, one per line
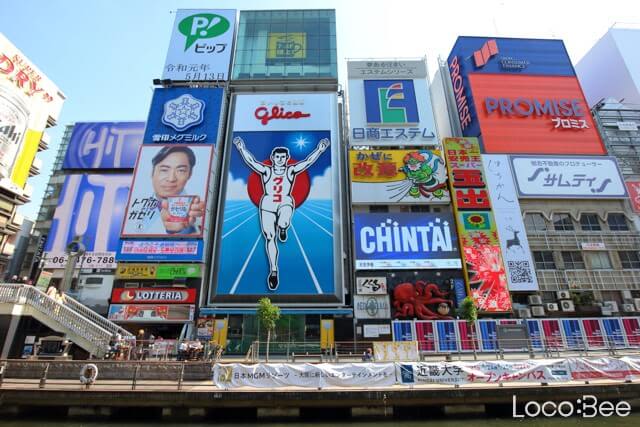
point(24, 280)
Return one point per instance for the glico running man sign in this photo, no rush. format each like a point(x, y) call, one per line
point(279, 232)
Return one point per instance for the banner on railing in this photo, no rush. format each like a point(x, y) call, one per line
point(604, 368)
point(395, 351)
point(550, 370)
point(309, 375)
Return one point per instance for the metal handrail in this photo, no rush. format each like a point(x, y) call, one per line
point(96, 318)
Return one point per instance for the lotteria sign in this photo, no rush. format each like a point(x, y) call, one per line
point(405, 241)
point(153, 295)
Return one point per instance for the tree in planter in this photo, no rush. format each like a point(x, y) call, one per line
point(469, 311)
point(268, 314)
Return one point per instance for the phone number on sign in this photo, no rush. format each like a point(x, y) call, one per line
point(89, 260)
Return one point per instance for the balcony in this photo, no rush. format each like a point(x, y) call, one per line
point(582, 280)
point(572, 240)
point(44, 141)
point(36, 167)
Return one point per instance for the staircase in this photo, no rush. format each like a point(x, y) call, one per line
point(82, 326)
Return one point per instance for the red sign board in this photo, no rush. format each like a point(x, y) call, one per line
point(634, 194)
point(153, 295)
point(528, 114)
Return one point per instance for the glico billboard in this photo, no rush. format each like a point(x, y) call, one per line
point(521, 96)
point(279, 232)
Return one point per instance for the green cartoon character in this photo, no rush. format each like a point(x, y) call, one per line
point(426, 173)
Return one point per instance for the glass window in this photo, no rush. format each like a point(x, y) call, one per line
point(598, 260)
point(590, 222)
point(535, 222)
point(420, 208)
point(378, 208)
point(629, 259)
point(617, 222)
point(544, 260)
point(562, 222)
point(573, 260)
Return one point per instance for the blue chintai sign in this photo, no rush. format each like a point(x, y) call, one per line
point(405, 241)
point(184, 115)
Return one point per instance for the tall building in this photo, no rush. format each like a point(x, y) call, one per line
point(29, 103)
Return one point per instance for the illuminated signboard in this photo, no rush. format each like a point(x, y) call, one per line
point(398, 176)
point(153, 295)
point(153, 313)
point(160, 250)
point(286, 46)
point(482, 256)
point(158, 271)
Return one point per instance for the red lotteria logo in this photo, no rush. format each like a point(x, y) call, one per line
point(263, 114)
point(127, 296)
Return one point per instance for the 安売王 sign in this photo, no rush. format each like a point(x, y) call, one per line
point(568, 177)
point(405, 241)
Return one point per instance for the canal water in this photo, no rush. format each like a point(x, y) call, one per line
point(630, 421)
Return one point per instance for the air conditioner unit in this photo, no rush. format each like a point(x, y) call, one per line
point(611, 306)
point(563, 295)
point(628, 307)
point(636, 302)
point(551, 306)
point(626, 294)
point(537, 311)
point(524, 313)
point(567, 305)
point(534, 300)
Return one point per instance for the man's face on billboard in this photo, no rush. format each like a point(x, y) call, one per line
point(171, 175)
point(280, 159)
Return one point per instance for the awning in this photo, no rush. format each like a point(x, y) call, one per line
point(204, 311)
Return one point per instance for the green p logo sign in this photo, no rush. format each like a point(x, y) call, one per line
point(202, 26)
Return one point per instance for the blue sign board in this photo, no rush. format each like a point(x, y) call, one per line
point(614, 334)
point(184, 115)
point(535, 334)
point(447, 337)
point(160, 250)
point(488, 334)
point(390, 102)
point(406, 241)
point(402, 331)
point(573, 334)
point(90, 206)
point(104, 145)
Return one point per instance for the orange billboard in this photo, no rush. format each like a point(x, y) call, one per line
point(526, 114)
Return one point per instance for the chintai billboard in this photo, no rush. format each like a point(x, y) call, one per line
point(279, 233)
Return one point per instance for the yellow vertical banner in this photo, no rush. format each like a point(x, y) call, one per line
point(327, 339)
point(220, 332)
point(25, 157)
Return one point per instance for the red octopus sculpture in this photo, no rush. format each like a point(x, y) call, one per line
point(411, 300)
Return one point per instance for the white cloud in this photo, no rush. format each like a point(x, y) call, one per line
point(237, 190)
point(321, 187)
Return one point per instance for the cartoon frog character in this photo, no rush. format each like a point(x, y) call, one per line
point(421, 168)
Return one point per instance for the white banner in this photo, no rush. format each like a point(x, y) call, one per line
point(547, 370)
point(371, 285)
point(568, 177)
point(371, 307)
point(201, 45)
point(395, 351)
point(276, 375)
point(518, 262)
point(604, 368)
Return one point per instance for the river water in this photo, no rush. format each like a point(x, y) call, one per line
point(630, 421)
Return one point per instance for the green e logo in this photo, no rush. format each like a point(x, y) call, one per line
point(202, 26)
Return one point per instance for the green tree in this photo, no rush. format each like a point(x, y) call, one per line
point(468, 311)
point(268, 314)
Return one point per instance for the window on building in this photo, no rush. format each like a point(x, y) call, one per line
point(379, 208)
point(617, 222)
point(420, 208)
point(590, 222)
point(573, 260)
point(544, 260)
point(598, 260)
point(562, 222)
point(629, 259)
point(535, 222)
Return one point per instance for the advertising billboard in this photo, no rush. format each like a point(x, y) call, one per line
point(519, 265)
point(390, 104)
point(283, 47)
point(160, 250)
point(279, 233)
point(405, 241)
point(152, 313)
point(158, 271)
point(633, 187)
point(201, 45)
point(169, 191)
point(92, 207)
point(27, 99)
point(533, 114)
point(564, 177)
point(153, 295)
point(184, 115)
point(484, 268)
point(371, 307)
point(104, 145)
point(398, 176)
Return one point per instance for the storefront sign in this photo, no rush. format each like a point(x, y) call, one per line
point(633, 187)
point(158, 271)
point(201, 45)
point(90, 260)
point(405, 241)
point(568, 177)
point(371, 307)
point(385, 69)
point(160, 250)
point(592, 246)
point(375, 331)
point(514, 243)
point(153, 295)
point(371, 285)
point(486, 275)
point(398, 176)
point(286, 46)
point(152, 313)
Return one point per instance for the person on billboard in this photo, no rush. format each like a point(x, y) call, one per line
point(277, 205)
point(172, 168)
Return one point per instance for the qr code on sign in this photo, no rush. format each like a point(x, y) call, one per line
point(519, 271)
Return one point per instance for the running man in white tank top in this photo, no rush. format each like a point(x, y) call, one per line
point(277, 205)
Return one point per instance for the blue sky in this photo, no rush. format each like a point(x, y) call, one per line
point(104, 54)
